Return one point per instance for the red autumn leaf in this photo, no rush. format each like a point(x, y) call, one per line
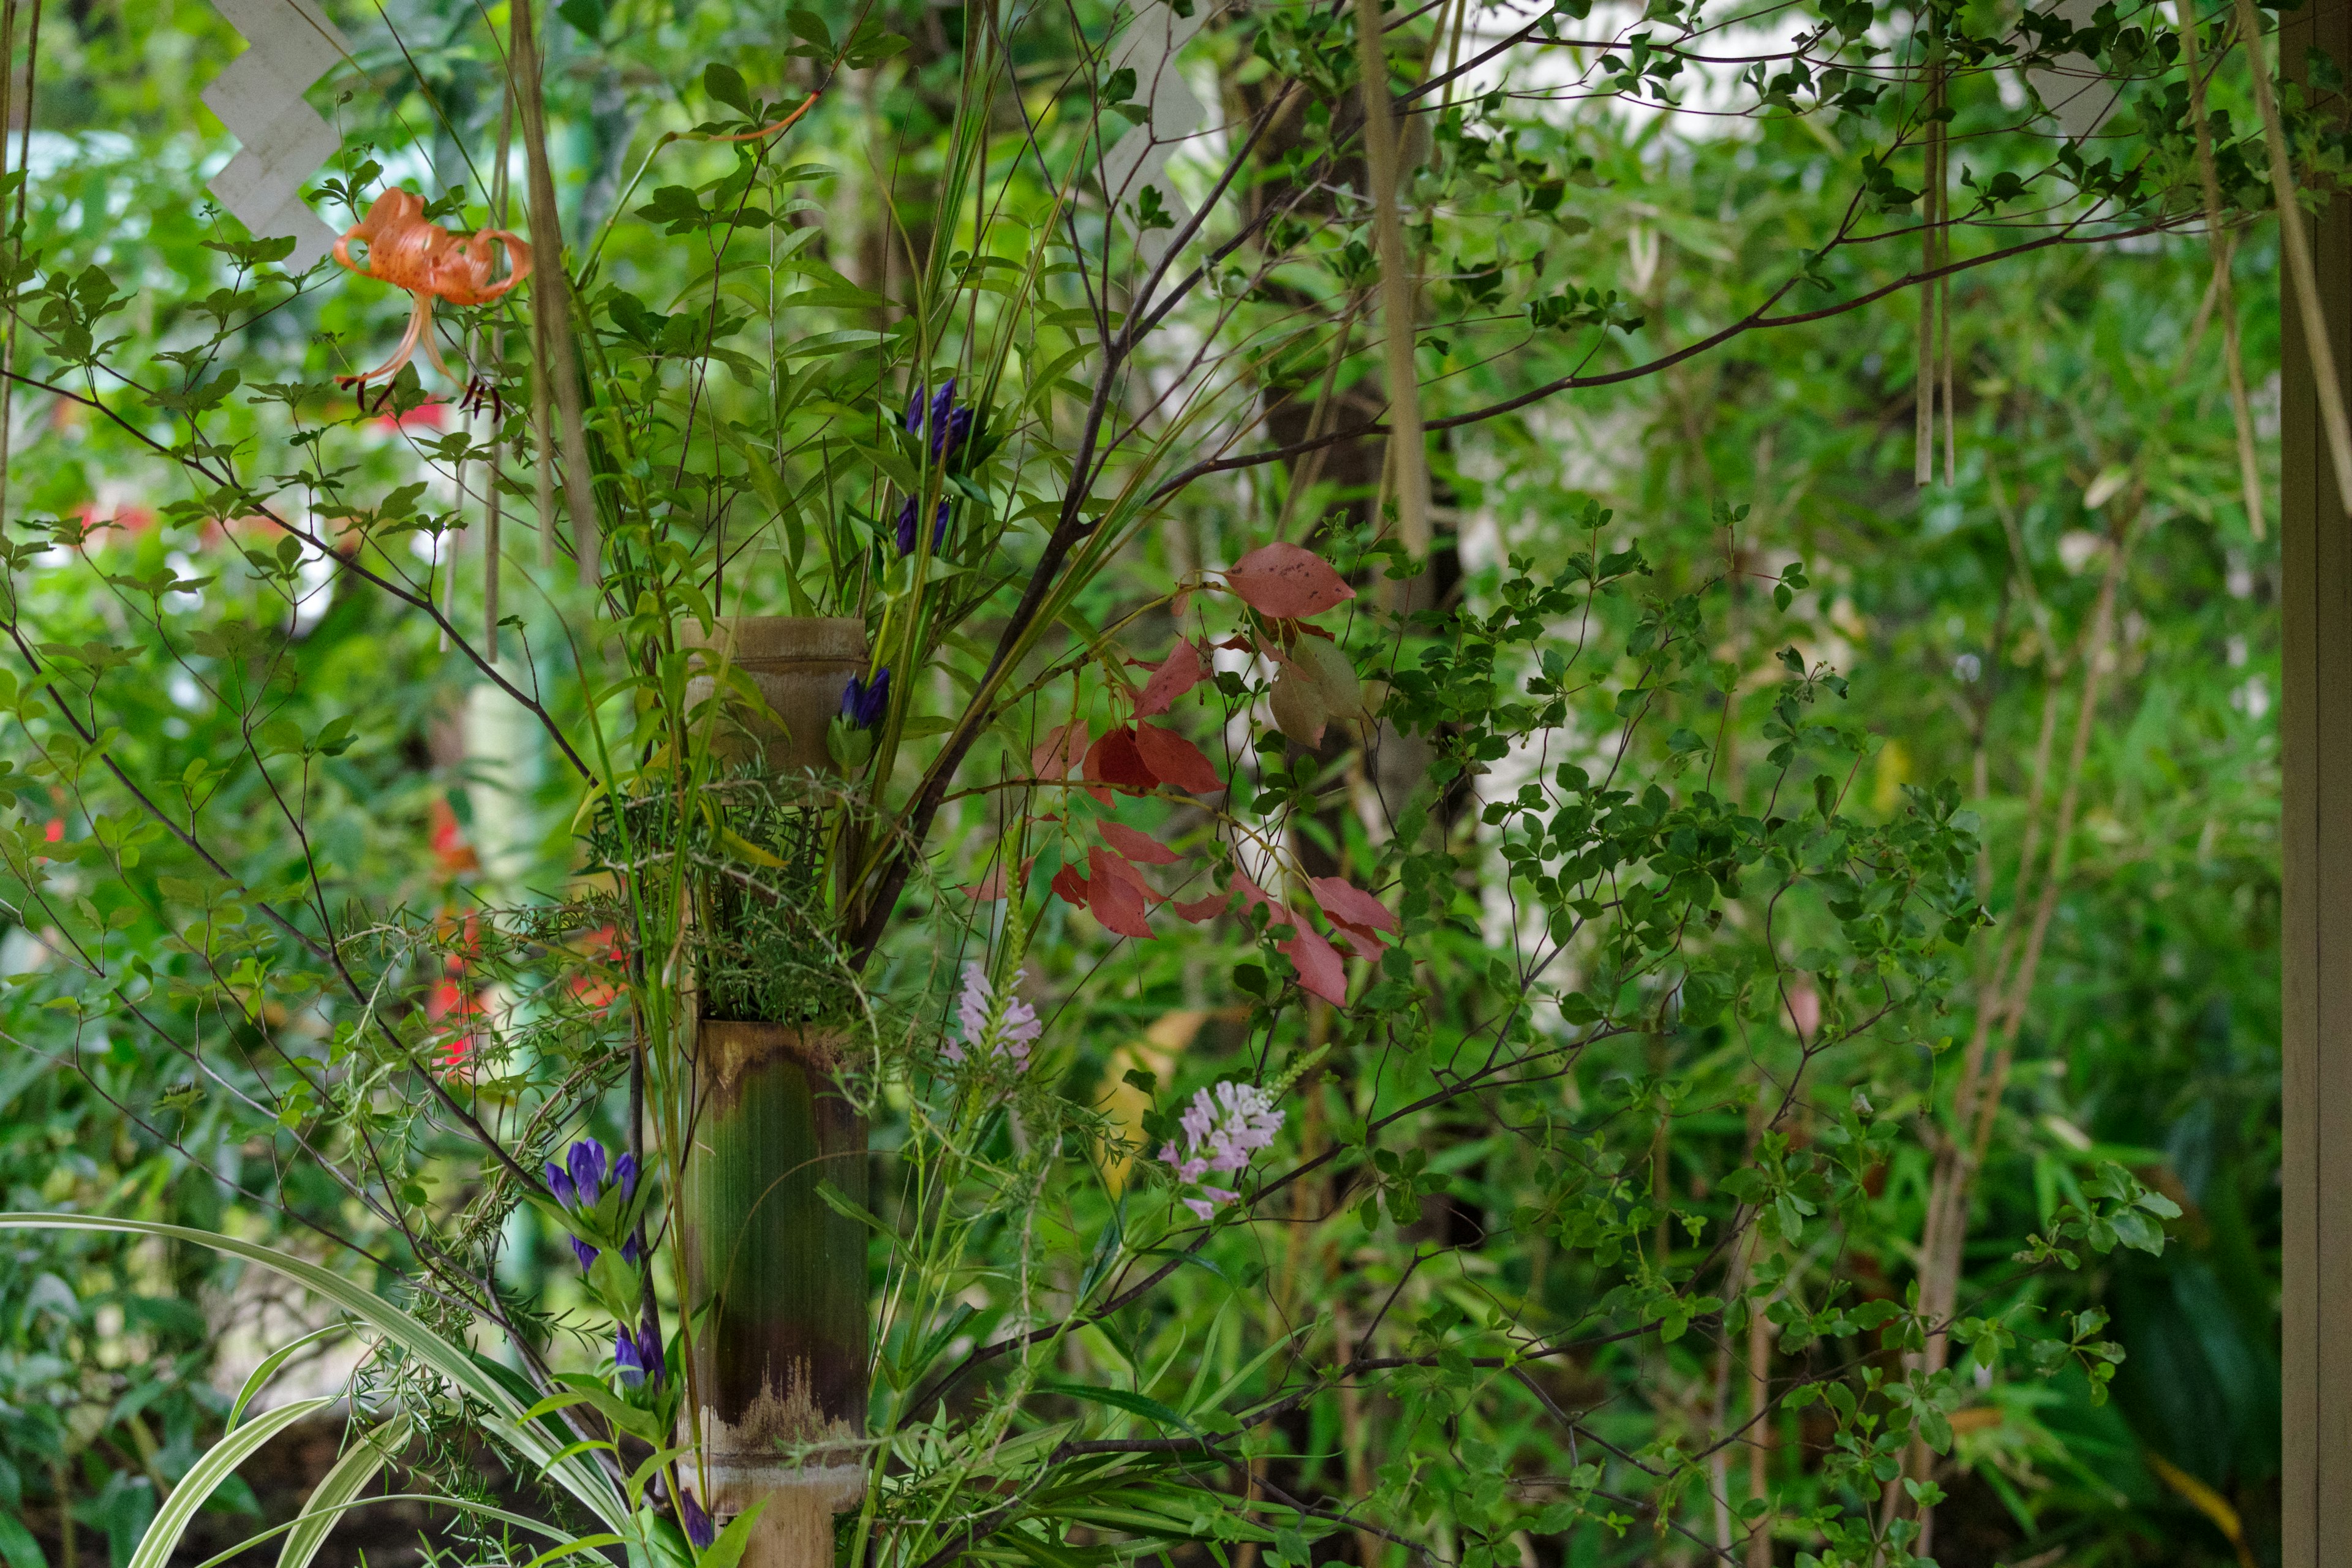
point(1284, 582)
point(1116, 903)
point(1176, 760)
point(1349, 905)
point(1318, 966)
point(1358, 943)
point(1250, 893)
point(1070, 886)
point(1199, 910)
point(1059, 754)
point(1116, 761)
point(1104, 864)
point(1137, 845)
point(1178, 673)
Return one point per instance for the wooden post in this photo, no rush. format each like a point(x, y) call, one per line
point(2315, 724)
point(775, 1275)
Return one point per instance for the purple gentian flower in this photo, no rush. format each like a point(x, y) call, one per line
point(959, 430)
point(561, 1185)
point(907, 526)
point(699, 1528)
point(948, 422)
point(586, 1161)
point(627, 1359)
point(632, 1251)
point(582, 1251)
point(862, 704)
point(625, 1176)
point(649, 1349)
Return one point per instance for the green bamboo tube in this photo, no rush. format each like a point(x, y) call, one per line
point(776, 1278)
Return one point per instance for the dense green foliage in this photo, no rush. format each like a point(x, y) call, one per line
point(1708, 749)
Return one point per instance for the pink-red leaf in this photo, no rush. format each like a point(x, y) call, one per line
point(1245, 887)
point(1070, 886)
point(1349, 905)
point(1103, 863)
point(1319, 970)
point(1284, 582)
point(1117, 902)
point(1059, 754)
point(1199, 910)
point(1176, 760)
point(1178, 673)
point(1137, 845)
point(1116, 761)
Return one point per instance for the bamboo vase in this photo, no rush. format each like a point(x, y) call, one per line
point(776, 1278)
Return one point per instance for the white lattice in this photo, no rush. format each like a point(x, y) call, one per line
point(260, 99)
point(1140, 158)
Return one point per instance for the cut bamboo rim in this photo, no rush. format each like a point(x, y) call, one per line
point(801, 664)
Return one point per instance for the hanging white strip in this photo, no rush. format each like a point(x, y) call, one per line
point(260, 99)
point(1140, 158)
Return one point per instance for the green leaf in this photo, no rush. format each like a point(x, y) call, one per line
point(464, 1369)
point(204, 1476)
point(724, 83)
point(1119, 1398)
point(341, 1483)
point(17, 1545)
point(269, 1369)
point(728, 1550)
point(840, 1203)
point(572, 1548)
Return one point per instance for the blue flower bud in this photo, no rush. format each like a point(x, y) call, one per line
point(561, 1185)
point(863, 705)
point(907, 526)
point(625, 1176)
point(699, 1528)
point(586, 1161)
point(649, 1349)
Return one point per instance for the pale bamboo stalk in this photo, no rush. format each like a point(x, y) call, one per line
point(551, 294)
point(1942, 193)
point(1922, 442)
point(494, 506)
point(1719, 1462)
point(1939, 1273)
point(1760, 1431)
point(1352, 1426)
point(2250, 473)
point(1382, 152)
point(8, 351)
point(542, 425)
point(2296, 241)
point(25, 164)
point(445, 551)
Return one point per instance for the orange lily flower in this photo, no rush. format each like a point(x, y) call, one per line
point(431, 263)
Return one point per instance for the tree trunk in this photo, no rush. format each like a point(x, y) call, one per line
point(776, 1278)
